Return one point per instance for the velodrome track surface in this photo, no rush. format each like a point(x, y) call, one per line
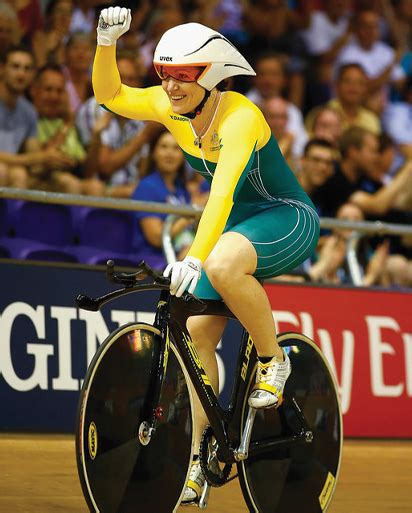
point(38, 475)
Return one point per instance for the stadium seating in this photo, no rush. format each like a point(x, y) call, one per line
point(36, 231)
point(103, 234)
point(74, 234)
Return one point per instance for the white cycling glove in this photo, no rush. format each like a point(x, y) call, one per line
point(184, 275)
point(113, 22)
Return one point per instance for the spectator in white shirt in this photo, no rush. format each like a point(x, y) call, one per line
point(328, 29)
point(379, 60)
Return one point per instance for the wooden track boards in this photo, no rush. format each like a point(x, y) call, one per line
point(38, 475)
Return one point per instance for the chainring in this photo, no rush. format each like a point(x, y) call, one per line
point(215, 472)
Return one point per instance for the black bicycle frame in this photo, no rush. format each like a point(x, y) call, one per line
point(171, 318)
point(222, 420)
point(219, 419)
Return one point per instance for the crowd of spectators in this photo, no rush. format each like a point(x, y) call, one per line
point(334, 81)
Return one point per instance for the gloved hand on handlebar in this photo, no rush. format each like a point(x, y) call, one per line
point(113, 22)
point(184, 275)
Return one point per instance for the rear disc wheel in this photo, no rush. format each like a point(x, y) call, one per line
point(301, 477)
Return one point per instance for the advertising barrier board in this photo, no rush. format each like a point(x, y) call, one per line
point(46, 343)
point(366, 336)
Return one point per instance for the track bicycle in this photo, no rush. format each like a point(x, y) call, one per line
point(134, 436)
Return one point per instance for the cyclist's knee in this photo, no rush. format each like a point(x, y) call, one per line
point(219, 271)
point(230, 260)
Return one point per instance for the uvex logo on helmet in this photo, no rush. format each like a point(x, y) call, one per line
point(163, 58)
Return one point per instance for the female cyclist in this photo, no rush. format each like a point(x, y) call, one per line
point(258, 222)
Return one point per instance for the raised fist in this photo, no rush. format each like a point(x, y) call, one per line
point(113, 22)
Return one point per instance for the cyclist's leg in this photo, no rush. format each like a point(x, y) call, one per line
point(247, 299)
point(230, 268)
point(206, 332)
point(266, 244)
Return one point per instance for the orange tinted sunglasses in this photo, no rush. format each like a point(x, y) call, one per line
point(181, 73)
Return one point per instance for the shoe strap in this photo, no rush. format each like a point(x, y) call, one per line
point(195, 487)
point(266, 387)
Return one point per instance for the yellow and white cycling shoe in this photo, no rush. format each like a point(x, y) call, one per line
point(195, 484)
point(271, 378)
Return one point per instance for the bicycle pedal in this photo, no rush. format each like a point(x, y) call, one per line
point(194, 504)
point(274, 406)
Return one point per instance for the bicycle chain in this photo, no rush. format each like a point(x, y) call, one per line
point(209, 463)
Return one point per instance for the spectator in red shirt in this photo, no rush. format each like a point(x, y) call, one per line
point(30, 18)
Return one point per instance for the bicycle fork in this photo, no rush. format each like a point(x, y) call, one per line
point(153, 411)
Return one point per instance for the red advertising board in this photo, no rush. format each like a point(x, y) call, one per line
point(366, 336)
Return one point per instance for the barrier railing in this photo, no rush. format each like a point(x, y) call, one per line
point(359, 228)
point(96, 201)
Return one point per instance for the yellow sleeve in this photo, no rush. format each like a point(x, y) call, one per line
point(240, 133)
point(145, 104)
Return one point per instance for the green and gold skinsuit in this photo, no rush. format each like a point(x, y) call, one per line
point(253, 191)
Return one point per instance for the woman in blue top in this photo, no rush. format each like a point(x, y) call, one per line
point(165, 183)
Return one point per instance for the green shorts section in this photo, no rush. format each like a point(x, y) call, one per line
point(283, 235)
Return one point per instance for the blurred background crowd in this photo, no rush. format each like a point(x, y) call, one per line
point(334, 81)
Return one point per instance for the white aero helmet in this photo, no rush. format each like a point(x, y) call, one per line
point(193, 44)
